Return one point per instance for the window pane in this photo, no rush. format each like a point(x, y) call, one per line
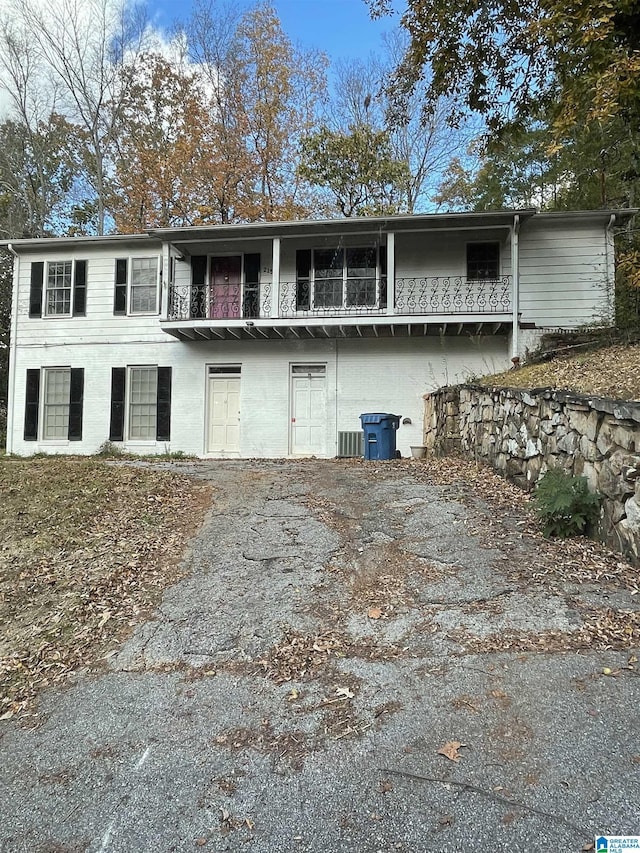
point(328, 262)
point(361, 291)
point(144, 286)
point(56, 403)
point(361, 263)
point(59, 288)
point(328, 293)
point(143, 394)
point(483, 260)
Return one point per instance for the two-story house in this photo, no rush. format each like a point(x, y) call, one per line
point(270, 339)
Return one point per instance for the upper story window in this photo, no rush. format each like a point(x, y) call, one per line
point(137, 286)
point(58, 288)
point(483, 260)
point(333, 278)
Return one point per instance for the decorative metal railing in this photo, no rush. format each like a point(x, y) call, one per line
point(453, 295)
point(331, 297)
point(217, 302)
point(358, 297)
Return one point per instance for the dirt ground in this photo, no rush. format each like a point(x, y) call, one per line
point(362, 657)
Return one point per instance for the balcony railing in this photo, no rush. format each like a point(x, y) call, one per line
point(359, 297)
point(453, 295)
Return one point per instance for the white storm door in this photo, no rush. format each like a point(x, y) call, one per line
point(223, 431)
point(308, 409)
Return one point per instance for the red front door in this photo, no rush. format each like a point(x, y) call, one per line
point(225, 293)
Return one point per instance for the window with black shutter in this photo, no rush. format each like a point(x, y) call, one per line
point(198, 301)
point(120, 294)
point(76, 395)
point(116, 426)
point(303, 279)
point(80, 289)
point(251, 300)
point(35, 294)
point(32, 405)
point(163, 410)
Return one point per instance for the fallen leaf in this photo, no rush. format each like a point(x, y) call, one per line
point(450, 750)
point(587, 847)
point(385, 786)
point(200, 842)
point(7, 715)
point(344, 691)
point(292, 695)
point(374, 613)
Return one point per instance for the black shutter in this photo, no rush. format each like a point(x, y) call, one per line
point(163, 410)
point(120, 296)
point(76, 396)
point(198, 300)
point(251, 301)
point(382, 250)
point(35, 297)
point(32, 405)
point(80, 289)
point(116, 428)
point(303, 279)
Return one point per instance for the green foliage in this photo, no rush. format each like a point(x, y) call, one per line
point(565, 504)
point(109, 450)
point(357, 167)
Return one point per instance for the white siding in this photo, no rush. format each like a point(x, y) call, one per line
point(563, 273)
point(443, 254)
point(362, 375)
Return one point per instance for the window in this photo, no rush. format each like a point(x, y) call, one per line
point(333, 278)
point(55, 409)
point(53, 404)
point(136, 286)
point(58, 300)
point(141, 402)
point(361, 277)
point(483, 260)
point(143, 394)
point(65, 286)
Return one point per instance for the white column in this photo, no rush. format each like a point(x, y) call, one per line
point(515, 292)
point(275, 278)
point(166, 283)
point(391, 273)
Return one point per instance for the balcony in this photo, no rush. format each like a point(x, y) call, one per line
point(337, 308)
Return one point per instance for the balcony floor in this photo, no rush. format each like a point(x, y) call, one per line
point(386, 326)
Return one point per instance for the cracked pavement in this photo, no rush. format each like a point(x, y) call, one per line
point(292, 692)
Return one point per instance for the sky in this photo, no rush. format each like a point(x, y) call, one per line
point(342, 29)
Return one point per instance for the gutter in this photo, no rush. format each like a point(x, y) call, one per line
point(12, 349)
point(515, 294)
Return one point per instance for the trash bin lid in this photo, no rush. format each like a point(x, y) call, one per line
point(378, 418)
point(373, 417)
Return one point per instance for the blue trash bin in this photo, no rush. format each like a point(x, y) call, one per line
point(379, 434)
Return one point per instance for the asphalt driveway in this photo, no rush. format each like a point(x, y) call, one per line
point(360, 660)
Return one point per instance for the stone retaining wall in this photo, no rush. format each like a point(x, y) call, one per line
point(523, 433)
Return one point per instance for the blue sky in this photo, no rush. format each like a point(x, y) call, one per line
point(341, 28)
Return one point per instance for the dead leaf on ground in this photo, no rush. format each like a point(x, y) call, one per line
point(374, 613)
point(385, 786)
point(450, 750)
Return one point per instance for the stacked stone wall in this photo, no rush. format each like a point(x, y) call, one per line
point(523, 433)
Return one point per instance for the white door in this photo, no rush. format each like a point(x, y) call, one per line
point(223, 430)
point(308, 410)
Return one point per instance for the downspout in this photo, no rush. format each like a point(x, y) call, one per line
point(609, 256)
point(515, 294)
point(11, 390)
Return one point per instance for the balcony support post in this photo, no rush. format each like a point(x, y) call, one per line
point(275, 279)
point(391, 273)
point(165, 279)
point(515, 279)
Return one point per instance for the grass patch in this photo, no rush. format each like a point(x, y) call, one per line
point(86, 548)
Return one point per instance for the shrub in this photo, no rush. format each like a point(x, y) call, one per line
point(565, 504)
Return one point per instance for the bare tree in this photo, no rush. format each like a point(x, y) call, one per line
point(70, 52)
